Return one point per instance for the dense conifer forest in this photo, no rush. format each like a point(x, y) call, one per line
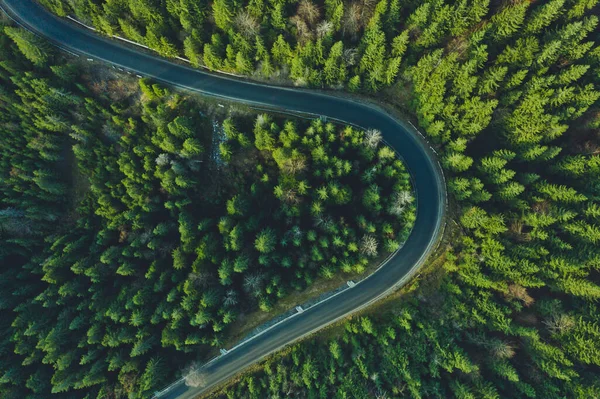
point(131, 233)
point(510, 96)
point(507, 91)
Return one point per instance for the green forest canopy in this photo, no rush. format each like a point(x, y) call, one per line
point(168, 246)
point(353, 44)
point(507, 91)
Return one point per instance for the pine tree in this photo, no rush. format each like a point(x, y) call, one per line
point(36, 50)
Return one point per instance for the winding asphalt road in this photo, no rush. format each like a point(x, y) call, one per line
point(423, 166)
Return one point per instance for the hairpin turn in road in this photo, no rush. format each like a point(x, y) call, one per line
point(418, 157)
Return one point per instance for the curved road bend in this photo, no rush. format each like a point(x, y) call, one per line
point(420, 161)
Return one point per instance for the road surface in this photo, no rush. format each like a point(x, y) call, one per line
point(417, 155)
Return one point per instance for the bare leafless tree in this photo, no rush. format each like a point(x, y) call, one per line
point(372, 138)
point(303, 30)
point(324, 28)
point(253, 284)
point(519, 292)
point(291, 196)
point(559, 323)
point(356, 16)
point(367, 10)
point(349, 55)
point(351, 22)
point(404, 197)
point(501, 349)
point(368, 245)
point(308, 11)
point(396, 209)
point(294, 165)
point(194, 377)
point(399, 201)
point(261, 120)
point(162, 159)
point(246, 23)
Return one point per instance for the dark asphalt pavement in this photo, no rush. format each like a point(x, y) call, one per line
point(419, 159)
